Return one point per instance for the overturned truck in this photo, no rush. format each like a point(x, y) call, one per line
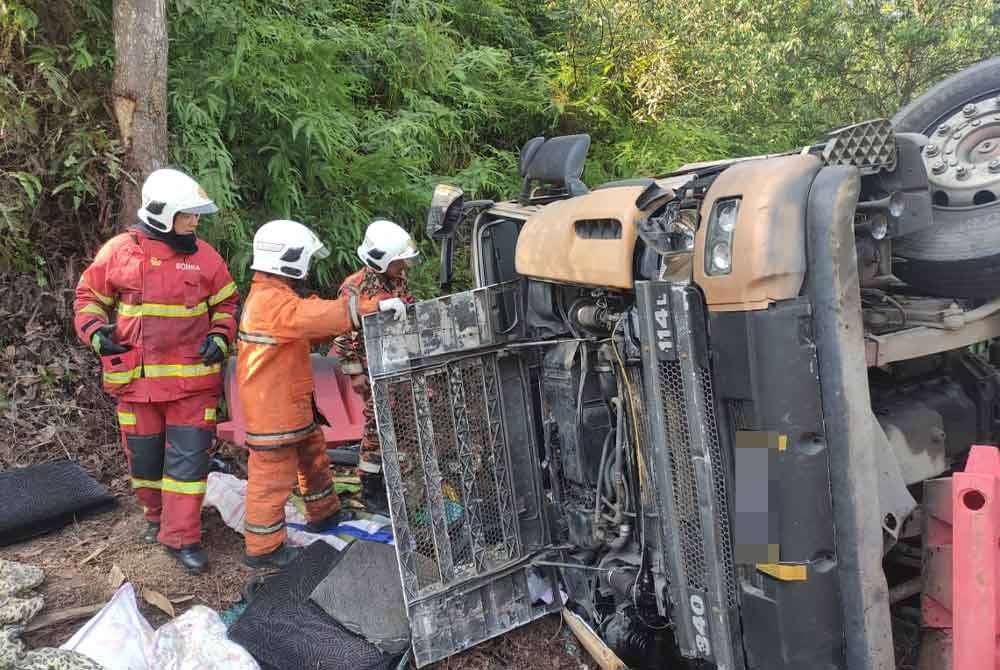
point(699, 408)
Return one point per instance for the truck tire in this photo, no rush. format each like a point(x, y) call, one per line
point(959, 256)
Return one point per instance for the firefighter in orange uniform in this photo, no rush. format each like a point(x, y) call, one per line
point(386, 251)
point(275, 384)
point(173, 306)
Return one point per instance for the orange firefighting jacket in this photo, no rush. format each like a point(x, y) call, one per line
point(166, 303)
point(273, 367)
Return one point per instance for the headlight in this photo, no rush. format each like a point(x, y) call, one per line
point(719, 237)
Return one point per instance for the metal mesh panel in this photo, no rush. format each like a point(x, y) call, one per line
point(682, 473)
point(443, 442)
point(719, 483)
point(450, 467)
point(869, 146)
point(414, 477)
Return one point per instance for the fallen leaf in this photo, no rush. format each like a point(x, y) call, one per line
point(158, 600)
point(177, 600)
point(116, 577)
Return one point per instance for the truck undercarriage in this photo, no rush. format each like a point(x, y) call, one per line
point(699, 409)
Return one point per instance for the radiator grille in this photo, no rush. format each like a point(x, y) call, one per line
point(722, 519)
point(691, 473)
point(444, 448)
point(685, 494)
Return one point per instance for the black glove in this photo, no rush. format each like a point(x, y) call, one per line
point(213, 349)
point(103, 341)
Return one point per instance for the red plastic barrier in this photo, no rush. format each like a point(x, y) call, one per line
point(335, 398)
point(976, 561)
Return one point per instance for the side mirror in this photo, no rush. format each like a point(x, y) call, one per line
point(445, 212)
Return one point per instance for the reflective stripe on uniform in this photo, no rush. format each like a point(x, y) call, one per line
point(263, 530)
point(209, 414)
point(122, 377)
point(313, 497)
point(103, 298)
point(126, 419)
point(255, 338)
point(177, 370)
point(156, 309)
point(186, 488)
point(146, 483)
point(157, 371)
point(94, 309)
point(219, 316)
point(222, 294)
point(267, 437)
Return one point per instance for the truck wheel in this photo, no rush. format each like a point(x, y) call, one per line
point(960, 255)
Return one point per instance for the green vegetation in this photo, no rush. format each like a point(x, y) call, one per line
point(336, 111)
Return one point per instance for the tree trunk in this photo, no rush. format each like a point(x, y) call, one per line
point(139, 94)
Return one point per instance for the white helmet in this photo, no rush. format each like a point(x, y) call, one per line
point(286, 248)
point(167, 192)
point(384, 243)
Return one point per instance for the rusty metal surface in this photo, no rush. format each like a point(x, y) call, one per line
point(916, 342)
point(450, 325)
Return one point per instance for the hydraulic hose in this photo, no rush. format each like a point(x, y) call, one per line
point(600, 482)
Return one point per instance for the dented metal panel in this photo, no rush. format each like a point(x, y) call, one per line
point(442, 396)
point(448, 325)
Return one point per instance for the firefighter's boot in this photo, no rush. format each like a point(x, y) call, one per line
point(279, 558)
point(191, 557)
point(330, 522)
point(149, 533)
point(373, 494)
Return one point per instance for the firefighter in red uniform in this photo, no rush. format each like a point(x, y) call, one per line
point(386, 251)
point(158, 306)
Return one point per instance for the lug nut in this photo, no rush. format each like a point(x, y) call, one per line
point(932, 150)
point(976, 122)
point(969, 110)
point(962, 172)
point(939, 168)
point(944, 129)
point(994, 165)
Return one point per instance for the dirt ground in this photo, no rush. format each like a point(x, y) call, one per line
point(84, 563)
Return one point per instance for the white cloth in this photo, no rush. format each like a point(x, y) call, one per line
point(117, 636)
point(196, 640)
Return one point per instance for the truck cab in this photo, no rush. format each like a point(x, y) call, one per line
point(699, 408)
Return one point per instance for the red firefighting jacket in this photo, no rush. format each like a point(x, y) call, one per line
point(273, 366)
point(369, 286)
point(165, 304)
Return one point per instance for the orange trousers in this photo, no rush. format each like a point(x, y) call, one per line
point(273, 473)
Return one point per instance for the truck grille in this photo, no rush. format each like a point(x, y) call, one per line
point(443, 446)
point(452, 463)
point(690, 474)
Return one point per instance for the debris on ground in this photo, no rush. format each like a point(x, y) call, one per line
point(19, 604)
point(284, 630)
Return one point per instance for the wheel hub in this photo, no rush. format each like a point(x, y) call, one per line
point(963, 156)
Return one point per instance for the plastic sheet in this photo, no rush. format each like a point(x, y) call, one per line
point(227, 494)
